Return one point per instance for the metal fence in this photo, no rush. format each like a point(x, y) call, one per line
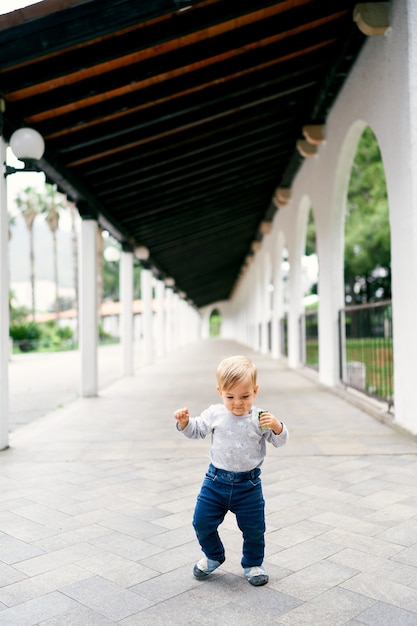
point(366, 359)
point(284, 335)
point(309, 338)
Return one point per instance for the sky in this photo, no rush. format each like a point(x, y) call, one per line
point(6, 6)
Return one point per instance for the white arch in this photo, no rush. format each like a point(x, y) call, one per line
point(206, 313)
point(381, 91)
point(279, 292)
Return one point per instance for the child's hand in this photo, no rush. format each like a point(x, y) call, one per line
point(183, 417)
point(267, 420)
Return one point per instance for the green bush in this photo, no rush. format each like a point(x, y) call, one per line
point(26, 335)
point(45, 337)
point(65, 333)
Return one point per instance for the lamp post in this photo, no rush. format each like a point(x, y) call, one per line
point(28, 146)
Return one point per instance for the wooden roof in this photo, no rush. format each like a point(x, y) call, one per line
point(174, 122)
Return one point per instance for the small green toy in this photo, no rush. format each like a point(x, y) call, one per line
point(259, 416)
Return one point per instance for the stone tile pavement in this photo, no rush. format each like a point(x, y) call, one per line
point(96, 500)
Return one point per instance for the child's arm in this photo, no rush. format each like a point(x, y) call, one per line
point(183, 417)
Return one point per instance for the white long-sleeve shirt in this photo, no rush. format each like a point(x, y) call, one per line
point(238, 444)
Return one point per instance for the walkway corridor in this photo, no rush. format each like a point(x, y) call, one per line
point(97, 497)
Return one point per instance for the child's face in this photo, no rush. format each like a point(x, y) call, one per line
point(239, 399)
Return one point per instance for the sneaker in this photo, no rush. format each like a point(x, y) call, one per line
point(256, 575)
point(204, 567)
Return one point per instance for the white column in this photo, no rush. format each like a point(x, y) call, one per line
point(276, 315)
point(168, 330)
point(160, 318)
point(88, 308)
point(4, 305)
point(278, 298)
point(146, 288)
point(295, 310)
point(177, 321)
point(256, 306)
point(264, 297)
point(126, 300)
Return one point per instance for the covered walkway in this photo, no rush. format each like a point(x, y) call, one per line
point(97, 498)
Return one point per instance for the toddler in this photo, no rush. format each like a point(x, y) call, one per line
point(239, 433)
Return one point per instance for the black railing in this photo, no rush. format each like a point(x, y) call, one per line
point(309, 335)
point(284, 335)
point(366, 359)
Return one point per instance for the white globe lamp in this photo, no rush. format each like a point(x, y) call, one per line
point(27, 144)
point(142, 253)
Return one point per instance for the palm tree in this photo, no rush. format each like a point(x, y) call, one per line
point(100, 264)
point(12, 222)
point(74, 243)
point(30, 203)
point(53, 202)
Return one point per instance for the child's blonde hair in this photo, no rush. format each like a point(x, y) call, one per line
point(233, 369)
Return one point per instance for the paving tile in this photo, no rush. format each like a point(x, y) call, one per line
point(43, 515)
point(231, 613)
point(367, 487)
point(35, 586)
point(393, 514)
point(383, 498)
point(14, 550)
point(78, 617)
point(96, 503)
point(382, 613)
point(237, 590)
point(347, 522)
point(176, 520)
point(23, 529)
point(9, 575)
point(405, 534)
point(13, 504)
point(331, 608)
point(297, 533)
point(315, 579)
point(35, 611)
point(65, 539)
point(407, 556)
point(120, 570)
point(133, 526)
point(180, 504)
point(167, 585)
point(173, 538)
point(106, 598)
point(177, 611)
point(167, 560)
point(299, 513)
point(97, 516)
point(129, 547)
point(58, 558)
point(300, 556)
point(371, 545)
point(383, 589)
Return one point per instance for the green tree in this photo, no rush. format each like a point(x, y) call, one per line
point(30, 204)
point(311, 245)
point(17, 313)
point(367, 232)
point(111, 264)
point(12, 221)
point(310, 235)
point(52, 204)
point(74, 246)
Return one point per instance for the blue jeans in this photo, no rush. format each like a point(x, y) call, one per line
point(241, 493)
